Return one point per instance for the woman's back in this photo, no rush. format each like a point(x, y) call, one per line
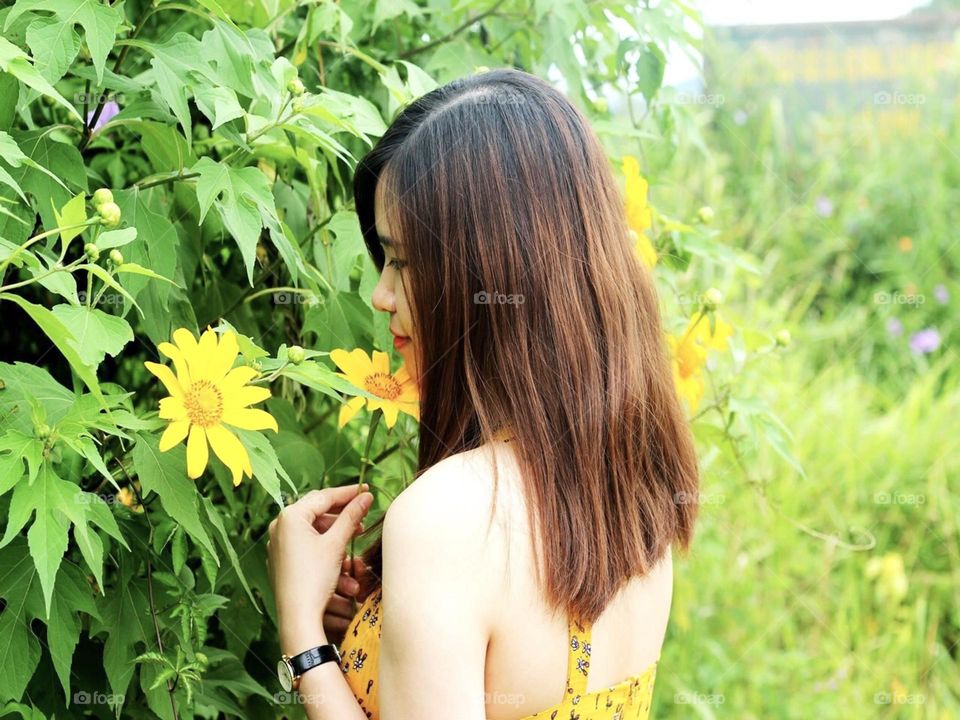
point(535, 662)
point(528, 652)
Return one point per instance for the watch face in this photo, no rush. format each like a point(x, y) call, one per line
point(285, 673)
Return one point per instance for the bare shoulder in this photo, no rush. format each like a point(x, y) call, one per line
point(453, 496)
point(436, 539)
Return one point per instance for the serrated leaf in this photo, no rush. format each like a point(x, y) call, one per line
point(166, 474)
point(95, 332)
point(62, 338)
point(243, 198)
point(14, 61)
point(99, 22)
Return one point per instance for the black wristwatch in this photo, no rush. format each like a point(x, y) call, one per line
point(289, 669)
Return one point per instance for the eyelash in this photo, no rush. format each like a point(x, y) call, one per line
point(397, 264)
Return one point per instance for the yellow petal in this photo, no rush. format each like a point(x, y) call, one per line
point(171, 408)
point(174, 434)
point(381, 362)
point(197, 452)
point(349, 409)
point(390, 412)
point(223, 357)
point(231, 452)
point(248, 395)
point(249, 419)
point(355, 364)
point(179, 362)
point(201, 365)
point(187, 343)
point(237, 378)
point(166, 376)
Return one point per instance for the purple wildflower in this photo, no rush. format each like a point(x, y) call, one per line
point(924, 341)
point(824, 206)
point(894, 327)
point(941, 293)
point(110, 111)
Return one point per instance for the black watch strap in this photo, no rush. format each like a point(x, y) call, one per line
point(313, 657)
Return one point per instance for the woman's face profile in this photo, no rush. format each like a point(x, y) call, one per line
point(389, 295)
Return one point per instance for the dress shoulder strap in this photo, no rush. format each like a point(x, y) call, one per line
point(578, 658)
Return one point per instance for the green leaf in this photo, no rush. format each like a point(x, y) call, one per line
point(73, 213)
point(126, 620)
point(116, 238)
point(19, 647)
point(228, 545)
point(166, 474)
point(98, 19)
point(21, 447)
point(62, 338)
point(243, 198)
point(63, 630)
point(55, 45)
point(95, 332)
point(267, 469)
point(347, 244)
point(15, 61)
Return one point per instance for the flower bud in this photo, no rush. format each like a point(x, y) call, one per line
point(712, 299)
point(601, 105)
point(116, 257)
point(43, 431)
point(109, 214)
point(296, 87)
point(297, 105)
point(92, 252)
point(705, 214)
point(295, 354)
point(783, 338)
point(101, 196)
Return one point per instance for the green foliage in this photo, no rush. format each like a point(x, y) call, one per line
point(172, 165)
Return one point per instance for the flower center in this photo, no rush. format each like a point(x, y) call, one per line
point(204, 403)
point(382, 385)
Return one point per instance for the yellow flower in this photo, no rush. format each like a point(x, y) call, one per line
point(127, 497)
point(207, 396)
point(689, 354)
point(905, 244)
point(639, 213)
point(396, 392)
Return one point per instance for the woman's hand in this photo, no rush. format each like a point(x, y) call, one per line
point(305, 559)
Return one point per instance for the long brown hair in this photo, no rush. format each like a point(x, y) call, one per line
point(532, 312)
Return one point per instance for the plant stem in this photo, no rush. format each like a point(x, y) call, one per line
point(364, 461)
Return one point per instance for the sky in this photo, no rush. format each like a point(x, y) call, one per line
point(729, 12)
point(680, 70)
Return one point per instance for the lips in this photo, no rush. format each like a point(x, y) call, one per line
point(399, 341)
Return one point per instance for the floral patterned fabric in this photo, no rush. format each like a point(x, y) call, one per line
point(627, 700)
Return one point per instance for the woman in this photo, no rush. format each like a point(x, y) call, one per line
point(526, 572)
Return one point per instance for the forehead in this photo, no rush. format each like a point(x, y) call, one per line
point(384, 208)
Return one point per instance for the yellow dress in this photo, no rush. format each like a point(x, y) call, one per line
point(626, 700)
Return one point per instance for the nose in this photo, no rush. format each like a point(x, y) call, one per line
point(383, 297)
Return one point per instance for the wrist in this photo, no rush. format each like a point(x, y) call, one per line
point(295, 638)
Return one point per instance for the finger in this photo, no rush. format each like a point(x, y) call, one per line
point(323, 523)
point(347, 585)
point(345, 526)
point(335, 625)
point(341, 606)
point(317, 502)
